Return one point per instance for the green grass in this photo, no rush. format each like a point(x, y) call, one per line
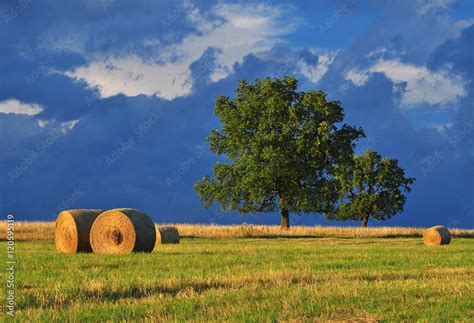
point(251, 280)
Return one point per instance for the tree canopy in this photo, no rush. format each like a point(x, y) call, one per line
point(282, 148)
point(371, 186)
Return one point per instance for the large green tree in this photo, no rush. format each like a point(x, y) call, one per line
point(281, 147)
point(371, 186)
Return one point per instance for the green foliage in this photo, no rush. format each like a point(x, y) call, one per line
point(371, 186)
point(281, 147)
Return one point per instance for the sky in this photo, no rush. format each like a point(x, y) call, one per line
point(107, 103)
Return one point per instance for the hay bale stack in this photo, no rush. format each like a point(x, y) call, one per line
point(167, 234)
point(72, 230)
point(122, 231)
point(436, 236)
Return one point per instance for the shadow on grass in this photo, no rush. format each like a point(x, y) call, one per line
point(141, 292)
point(190, 287)
point(52, 300)
point(49, 301)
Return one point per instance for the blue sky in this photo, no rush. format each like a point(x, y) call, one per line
point(106, 104)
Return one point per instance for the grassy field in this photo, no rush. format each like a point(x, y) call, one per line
point(252, 279)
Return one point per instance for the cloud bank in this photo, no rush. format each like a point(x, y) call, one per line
point(115, 100)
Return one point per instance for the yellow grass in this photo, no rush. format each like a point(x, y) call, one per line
point(243, 231)
point(45, 231)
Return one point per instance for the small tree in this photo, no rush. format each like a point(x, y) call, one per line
point(281, 147)
point(371, 186)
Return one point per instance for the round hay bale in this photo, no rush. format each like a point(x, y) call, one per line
point(72, 230)
point(167, 234)
point(122, 231)
point(436, 236)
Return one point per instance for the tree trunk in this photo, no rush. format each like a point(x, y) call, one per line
point(285, 215)
point(365, 220)
point(285, 219)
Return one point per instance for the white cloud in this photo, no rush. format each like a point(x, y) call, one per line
point(316, 72)
point(441, 127)
point(61, 127)
point(42, 123)
point(430, 5)
point(357, 77)
point(17, 107)
point(132, 76)
point(460, 25)
point(237, 31)
point(422, 84)
point(67, 126)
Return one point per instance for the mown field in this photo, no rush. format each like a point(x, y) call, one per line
point(252, 279)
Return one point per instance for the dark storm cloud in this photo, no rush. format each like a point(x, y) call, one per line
point(147, 153)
